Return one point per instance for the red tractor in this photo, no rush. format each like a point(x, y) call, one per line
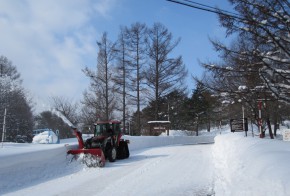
point(105, 144)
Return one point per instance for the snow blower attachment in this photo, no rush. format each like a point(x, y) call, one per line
point(105, 144)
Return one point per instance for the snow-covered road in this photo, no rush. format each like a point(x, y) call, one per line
point(234, 165)
point(150, 171)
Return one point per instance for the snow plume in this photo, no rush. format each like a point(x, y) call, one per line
point(60, 115)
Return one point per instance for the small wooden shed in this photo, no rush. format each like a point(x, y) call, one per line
point(157, 127)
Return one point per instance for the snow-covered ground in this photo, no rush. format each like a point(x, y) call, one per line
point(251, 166)
point(164, 165)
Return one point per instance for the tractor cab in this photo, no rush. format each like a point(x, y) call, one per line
point(107, 128)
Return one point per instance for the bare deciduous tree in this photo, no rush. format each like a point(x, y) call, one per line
point(123, 73)
point(102, 88)
point(164, 73)
point(265, 24)
point(136, 35)
point(256, 66)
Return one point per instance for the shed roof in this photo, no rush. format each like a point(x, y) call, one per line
point(159, 122)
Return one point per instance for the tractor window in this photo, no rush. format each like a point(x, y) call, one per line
point(100, 129)
point(117, 128)
point(110, 126)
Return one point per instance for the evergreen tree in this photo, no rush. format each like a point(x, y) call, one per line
point(13, 99)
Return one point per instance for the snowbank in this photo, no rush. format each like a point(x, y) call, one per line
point(251, 166)
point(286, 123)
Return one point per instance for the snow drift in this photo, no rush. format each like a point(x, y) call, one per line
point(251, 166)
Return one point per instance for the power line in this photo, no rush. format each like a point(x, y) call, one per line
point(207, 8)
point(214, 8)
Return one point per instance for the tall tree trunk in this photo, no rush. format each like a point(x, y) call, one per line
point(275, 125)
point(124, 93)
point(107, 93)
point(208, 123)
point(156, 91)
point(197, 122)
point(270, 128)
point(138, 95)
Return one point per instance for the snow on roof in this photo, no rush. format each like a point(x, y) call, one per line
point(157, 121)
point(241, 88)
point(224, 94)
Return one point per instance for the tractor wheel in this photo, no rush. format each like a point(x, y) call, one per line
point(127, 153)
point(123, 151)
point(112, 155)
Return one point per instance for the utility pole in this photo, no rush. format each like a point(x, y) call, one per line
point(4, 128)
point(168, 111)
point(260, 118)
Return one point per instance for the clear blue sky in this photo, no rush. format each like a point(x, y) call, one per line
point(51, 41)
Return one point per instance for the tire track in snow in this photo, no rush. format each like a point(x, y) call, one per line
point(162, 171)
